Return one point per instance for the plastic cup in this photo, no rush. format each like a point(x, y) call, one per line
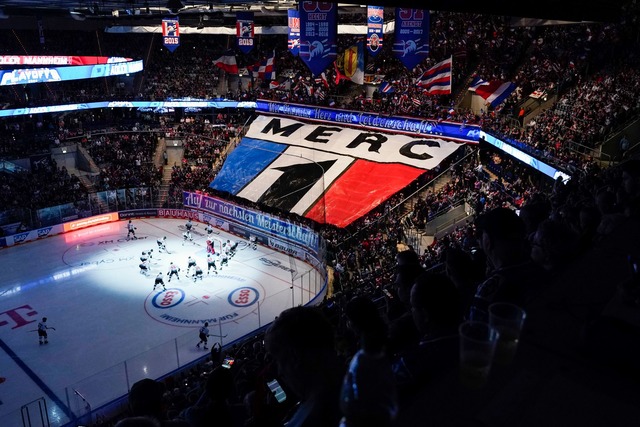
point(477, 346)
point(507, 319)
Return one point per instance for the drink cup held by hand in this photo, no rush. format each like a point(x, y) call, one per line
point(477, 346)
point(507, 319)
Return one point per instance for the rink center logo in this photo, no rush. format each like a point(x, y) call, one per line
point(167, 299)
point(243, 297)
point(193, 306)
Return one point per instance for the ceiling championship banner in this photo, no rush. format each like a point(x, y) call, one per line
point(171, 33)
point(293, 43)
point(411, 45)
point(318, 34)
point(375, 24)
point(327, 173)
point(245, 31)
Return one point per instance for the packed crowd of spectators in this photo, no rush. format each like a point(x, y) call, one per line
point(45, 185)
point(206, 142)
point(125, 160)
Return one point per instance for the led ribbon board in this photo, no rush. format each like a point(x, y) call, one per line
point(60, 74)
point(59, 60)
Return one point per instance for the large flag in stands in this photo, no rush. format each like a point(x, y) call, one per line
point(328, 173)
point(496, 92)
point(437, 79)
point(227, 62)
point(265, 69)
point(350, 64)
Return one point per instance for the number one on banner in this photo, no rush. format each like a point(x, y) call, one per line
point(293, 184)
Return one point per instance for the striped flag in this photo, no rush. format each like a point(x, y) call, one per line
point(437, 79)
point(386, 87)
point(496, 92)
point(227, 62)
point(476, 83)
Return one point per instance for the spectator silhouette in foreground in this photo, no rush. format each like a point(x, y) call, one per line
point(213, 408)
point(368, 396)
point(302, 345)
point(436, 311)
point(512, 275)
point(146, 400)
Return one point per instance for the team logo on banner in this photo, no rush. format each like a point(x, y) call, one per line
point(318, 34)
point(411, 45)
point(245, 31)
point(294, 32)
point(171, 33)
point(375, 24)
point(330, 174)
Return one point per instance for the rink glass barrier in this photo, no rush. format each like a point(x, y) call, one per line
point(91, 205)
point(105, 393)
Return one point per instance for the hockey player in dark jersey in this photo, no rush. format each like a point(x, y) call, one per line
point(159, 281)
point(144, 267)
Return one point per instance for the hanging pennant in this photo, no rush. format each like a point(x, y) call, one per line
point(171, 33)
point(318, 34)
point(411, 44)
point(245, 31)
point(375, 24)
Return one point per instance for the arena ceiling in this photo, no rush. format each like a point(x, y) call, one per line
point(100, 10)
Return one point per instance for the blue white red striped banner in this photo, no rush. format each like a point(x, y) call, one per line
point(437, 79)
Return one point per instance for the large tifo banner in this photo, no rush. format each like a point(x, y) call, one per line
point(327, 173)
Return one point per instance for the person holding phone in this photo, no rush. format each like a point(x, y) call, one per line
point(301, 343)
point(213, 407)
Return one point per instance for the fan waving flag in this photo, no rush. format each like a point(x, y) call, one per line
point(496, 92)
point(386, 87)
point(350, 64)
point(476, 83)
point(437, 79)
point(227, 62)
point(264, 69)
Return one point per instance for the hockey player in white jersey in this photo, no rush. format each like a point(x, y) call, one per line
point(197, 274)
point(190, 263)
point(211, 263)
point(173, 271)
point(162, 244)
point(131, 231)
point(187, 236)
point(224, 259)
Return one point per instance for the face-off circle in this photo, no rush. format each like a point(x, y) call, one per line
point(225, 298)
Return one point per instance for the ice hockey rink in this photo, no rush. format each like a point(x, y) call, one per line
point(111, 327)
